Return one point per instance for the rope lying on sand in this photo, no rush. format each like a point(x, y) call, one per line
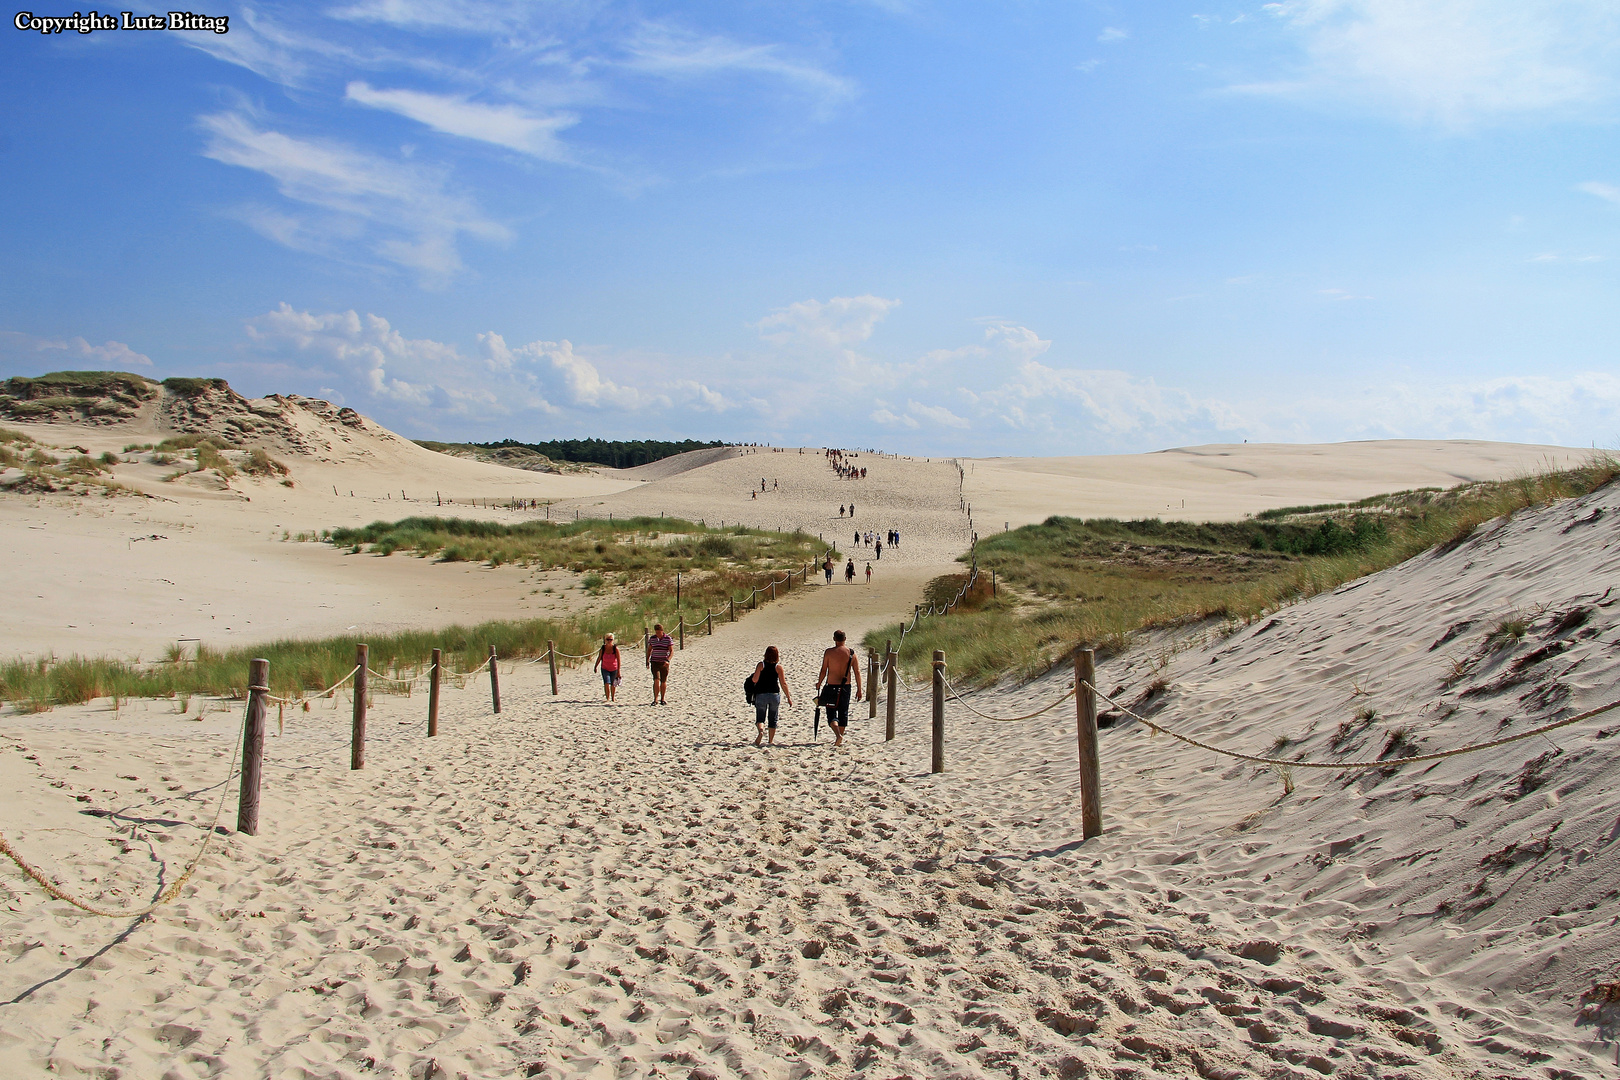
point(1285, 762)
point(1067, 694)
point(168, 894)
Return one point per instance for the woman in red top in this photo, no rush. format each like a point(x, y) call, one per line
point(607, 658)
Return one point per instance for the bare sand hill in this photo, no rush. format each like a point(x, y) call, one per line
point(579, 890)
point(1228, 482)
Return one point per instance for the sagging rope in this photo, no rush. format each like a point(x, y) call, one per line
point(1067, 694)
point(172, 891)
point(1532, 733)
point(390, 678)
point(319, 693)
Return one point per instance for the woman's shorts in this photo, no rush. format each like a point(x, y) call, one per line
point(610, 678)
point(765, 708)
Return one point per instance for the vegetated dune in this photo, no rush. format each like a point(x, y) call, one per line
point(1226, 482)
point(571, 889)
point(183, 552)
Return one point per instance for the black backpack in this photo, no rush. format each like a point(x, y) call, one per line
point(748, 689)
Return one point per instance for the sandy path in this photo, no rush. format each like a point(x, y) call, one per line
point(577, 890)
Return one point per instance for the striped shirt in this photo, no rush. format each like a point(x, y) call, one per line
point(660, 647)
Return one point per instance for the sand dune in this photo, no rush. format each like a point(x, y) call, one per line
point(571, 889)
point(1226, 482)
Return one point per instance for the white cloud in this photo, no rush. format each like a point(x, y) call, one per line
point(893, 420)
point(495, 380)
point(1113, 33)
point(836, 324)
point(503, 125)
point(670, 52)
point(1601, 190)
point(405, 211)
point(937, 414)
point(472, 16)
point(1455, 62)
point(75, 351)
point(1019, 342)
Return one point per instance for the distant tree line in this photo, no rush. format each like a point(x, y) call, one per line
point(614, 454)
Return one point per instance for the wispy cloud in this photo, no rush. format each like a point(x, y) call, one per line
point(675, 53)
point(1113, 33)
point(1603, 191)
point(502, 125)
point(1454, 62)
point(406, 213)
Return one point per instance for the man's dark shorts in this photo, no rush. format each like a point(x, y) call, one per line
point(838, 712)
point(660, 668)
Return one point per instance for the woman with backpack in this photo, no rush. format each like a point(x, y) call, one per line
point(769, 683)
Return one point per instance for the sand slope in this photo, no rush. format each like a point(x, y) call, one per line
point(1226, 482)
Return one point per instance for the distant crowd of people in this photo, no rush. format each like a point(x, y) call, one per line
point(840, 462)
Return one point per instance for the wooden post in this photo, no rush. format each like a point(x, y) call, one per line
point(681, 630)
point(645, 660)
point(871, 684)
point(247, 805)
point(893, 680)
point(1085, 716)
point(357, 740)
point(494, 681)
point(733, 609)
point(677, 590)
point(939, 711)
point(433, 692)
point(709, 618)
point(551, 660)
point(773, 589)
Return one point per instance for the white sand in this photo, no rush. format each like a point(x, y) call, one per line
point(1227, 482)
point(576, 890)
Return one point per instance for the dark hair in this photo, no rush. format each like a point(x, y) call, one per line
point(838, 635)
point(771, 656)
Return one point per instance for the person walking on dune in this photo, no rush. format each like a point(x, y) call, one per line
point(869, 573)
point(770, 686)
point(660, 647)
point(837, 665)
point(827, 568)
point(607, 659)
point(849, 572)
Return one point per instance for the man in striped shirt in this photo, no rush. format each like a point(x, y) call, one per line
point(659, 649)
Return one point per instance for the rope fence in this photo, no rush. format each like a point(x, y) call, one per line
point(168, 894)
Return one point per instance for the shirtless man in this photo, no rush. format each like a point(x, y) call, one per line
point(837, 664)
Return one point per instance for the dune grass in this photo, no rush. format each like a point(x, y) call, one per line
point(1100, 582)
point(640, 555)
point(637, 545)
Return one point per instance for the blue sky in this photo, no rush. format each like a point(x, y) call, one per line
point(1021, 228)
